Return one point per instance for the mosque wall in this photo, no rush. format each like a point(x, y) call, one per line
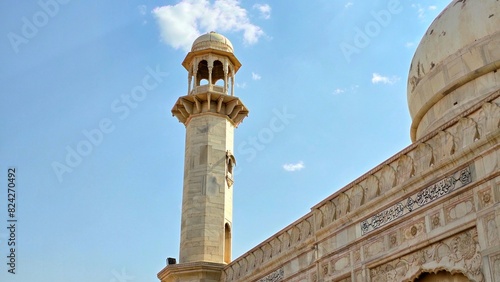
point(433, 206)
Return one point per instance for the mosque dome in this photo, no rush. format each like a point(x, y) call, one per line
point(212, 40)
point(455, 65)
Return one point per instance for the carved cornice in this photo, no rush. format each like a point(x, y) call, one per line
point(210, 102)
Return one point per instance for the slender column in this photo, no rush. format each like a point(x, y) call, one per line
point(225, 75)
point(195, 73)
point(232, 82)
point(190, 78)
point(210, 68)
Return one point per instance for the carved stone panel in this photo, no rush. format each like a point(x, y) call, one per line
point(341, 203)
point(340, 263)
point(386, 177)
point(356, 197)
point(485, 197)
point(466, 133)
point(491, 230)
point(422, 157)
point(405, 169)
point(460, 253)
point(413, 230)
point(495, 265)
point(443, 144)
point(435, 220)
point(458, 210)
point(374, 248)
point(370, 184)
point(489, 119)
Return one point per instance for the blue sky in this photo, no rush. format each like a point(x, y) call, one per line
point(87, 88)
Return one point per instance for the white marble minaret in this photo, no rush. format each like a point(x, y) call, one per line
point(210, 112)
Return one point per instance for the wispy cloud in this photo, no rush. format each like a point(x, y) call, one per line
point(338, 91)
point(348, 4)
point(142, 9)
point(421, 10)
point(256, 76)
point(377, 78)
point(240, 85)
point(265, 10)
point(351, 89)
point(294, 166)
point(182, 23)
point(409, 44)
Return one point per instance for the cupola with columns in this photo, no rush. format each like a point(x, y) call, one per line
point(211, 67)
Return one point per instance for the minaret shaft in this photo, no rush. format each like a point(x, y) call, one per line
point(207, 199)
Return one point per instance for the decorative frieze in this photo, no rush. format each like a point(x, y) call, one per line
point(425, 196)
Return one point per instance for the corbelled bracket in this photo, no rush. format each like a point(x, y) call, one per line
point(230, 107)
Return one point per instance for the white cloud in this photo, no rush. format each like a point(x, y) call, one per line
point(338, 91)
point(265, 10)
point(240, 85)
point(256, 76)
point(352, 89)
point(182, 23)
point(409, 44)
point(348, 4)
point(377, 78)
point(421, 10)
point(294, 167)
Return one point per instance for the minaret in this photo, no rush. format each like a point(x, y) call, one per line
point(210, 112)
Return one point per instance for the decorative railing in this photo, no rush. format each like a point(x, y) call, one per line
point(206, 88)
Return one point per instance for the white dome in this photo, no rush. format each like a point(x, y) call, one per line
point(212, 40)
point(460, 46)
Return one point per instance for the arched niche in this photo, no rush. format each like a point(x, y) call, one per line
point(441, 276)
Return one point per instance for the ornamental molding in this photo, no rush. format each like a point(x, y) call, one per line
point(425, 196)
point(274, 276)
